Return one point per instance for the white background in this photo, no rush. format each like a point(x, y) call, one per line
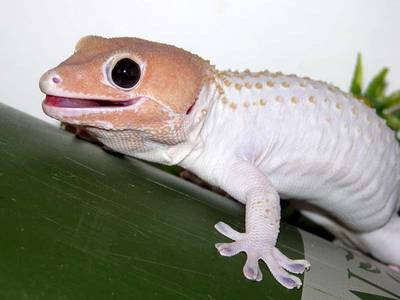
point(318, 38)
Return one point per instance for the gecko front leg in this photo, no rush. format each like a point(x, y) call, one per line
point(262, 226)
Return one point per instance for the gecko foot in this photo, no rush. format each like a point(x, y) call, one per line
point(257, 249)
point(394, 267)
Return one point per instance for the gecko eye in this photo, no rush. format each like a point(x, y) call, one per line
point(126, 73)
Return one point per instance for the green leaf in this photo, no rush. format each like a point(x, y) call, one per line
point(391, 100)
point(79, 223)
point(356, 83)
point(376, 89)
point(393, 122)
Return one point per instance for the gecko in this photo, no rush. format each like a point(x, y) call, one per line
point(259, 136)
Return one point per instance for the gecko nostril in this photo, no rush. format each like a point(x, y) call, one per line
point(56, 79)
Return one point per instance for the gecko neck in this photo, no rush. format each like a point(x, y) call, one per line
point(192, 126)
point(215, 91)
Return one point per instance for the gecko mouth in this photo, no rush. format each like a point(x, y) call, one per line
point(63, 102)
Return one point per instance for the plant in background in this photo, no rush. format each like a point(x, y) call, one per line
point(386, 106)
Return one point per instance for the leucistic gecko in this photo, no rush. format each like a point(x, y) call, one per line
point(260, 136)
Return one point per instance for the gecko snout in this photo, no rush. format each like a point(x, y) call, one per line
point(49, 81)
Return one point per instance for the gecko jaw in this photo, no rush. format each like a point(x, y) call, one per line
point(77, 103)
point(65, 107)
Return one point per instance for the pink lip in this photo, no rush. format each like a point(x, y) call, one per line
point(56, 101)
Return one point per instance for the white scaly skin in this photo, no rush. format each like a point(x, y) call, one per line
point(268, 135)
point(265, 136)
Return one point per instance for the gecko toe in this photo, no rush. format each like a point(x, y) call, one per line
point(296, 266)
point(228, 249)
point(287, 280)
point(290, 281)
point(228, 231)
point(251, 270)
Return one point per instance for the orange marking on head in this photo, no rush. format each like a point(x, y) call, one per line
point(170, 82)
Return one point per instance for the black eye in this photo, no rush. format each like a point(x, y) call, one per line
point(126, 73)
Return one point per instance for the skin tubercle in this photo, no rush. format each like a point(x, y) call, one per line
point(258, 91)
point(259, 83)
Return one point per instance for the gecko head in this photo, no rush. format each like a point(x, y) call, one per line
point(124, 84)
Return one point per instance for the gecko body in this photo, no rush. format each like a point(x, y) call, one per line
point(260, 136)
